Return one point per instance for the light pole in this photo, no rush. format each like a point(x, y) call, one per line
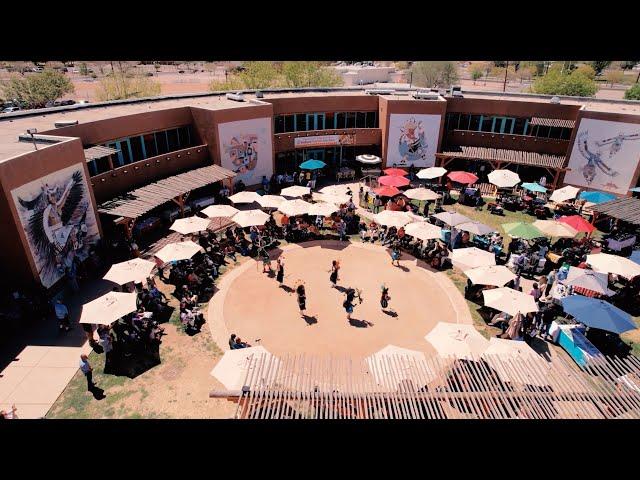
point(31, 131)
point(506, 69)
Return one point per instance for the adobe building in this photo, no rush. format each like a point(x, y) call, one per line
point(68, 173)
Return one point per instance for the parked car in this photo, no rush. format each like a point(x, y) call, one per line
point(83, 102)
point(37, 69)
point(10, 109)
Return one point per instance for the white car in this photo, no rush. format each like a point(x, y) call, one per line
point(10, 109)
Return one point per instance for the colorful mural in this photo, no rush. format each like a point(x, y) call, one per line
point(58, 219)
point(246, 148)
point(413, 140)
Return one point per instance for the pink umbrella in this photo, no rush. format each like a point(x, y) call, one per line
point(387, 191)
point(393, 181)
point(578, 223)
point(462, 177)
point(395, 172)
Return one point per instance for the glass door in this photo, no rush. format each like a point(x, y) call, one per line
point(317, 154)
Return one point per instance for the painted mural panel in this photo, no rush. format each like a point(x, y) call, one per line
point(413, 140)
point(58, 220)
point(246, 148)
point(605, 155)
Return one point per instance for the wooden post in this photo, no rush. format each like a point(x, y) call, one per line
point(110, 160)
point(128, 224)
point(555, 179)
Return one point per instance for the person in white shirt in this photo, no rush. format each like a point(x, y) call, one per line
point(62, 314)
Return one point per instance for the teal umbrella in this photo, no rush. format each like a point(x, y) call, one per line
point(534, 187)
point(597, 197)
point(312, 165)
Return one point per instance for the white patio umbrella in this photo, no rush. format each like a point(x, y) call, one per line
point(504, 178)
point(294, 207)
point(422, 194)
point(391, 218)
point(431, 173)
point(250, 218)
point(178, 251)
point(108, 308)
point(341, 189)
point(563, 194)
point(509, 301)
point(423, 230)
point(392, 365)
point(457, 340)
point(295, 191)
point(589, 279)
point(270, 201)
point(472, 257)
point(555, 229)
point(335, 198)
point(604, 262)
point(477, 228)
point(452, 218)
point(237, 365)
point(214, 211)
point(136, 270)
point(244, 197)
point(503, 356)
point(496, 275)
point(368, 159)
point(322, 208)
point(189, 225)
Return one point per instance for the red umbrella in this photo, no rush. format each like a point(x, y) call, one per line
point(393, 181)
point(578, 223)
point(462, 177)
point(387, 191)
point(395, 172)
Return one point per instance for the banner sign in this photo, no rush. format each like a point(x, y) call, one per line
point(325, 141)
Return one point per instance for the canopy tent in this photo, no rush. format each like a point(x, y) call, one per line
point(312, 165)
point(509, 301)
point(393, 181)
point(136, 270)
point(368, 159)
point(213, 211)
point(423, 231)
point(472, 257)
point(522, 230)
point(555, 229)
point(597, 197)
point(496, 275)
point(395, 172)
point(243, 363)
point(452, 218)
point(391, 218)
point(393, 365)
point(323, 209)
point(604, 262)
point(250, 218)
point(294, 207)
point(577, 223)
point(431, 173)
point(534, 187)
point(108, 308)
point(386, 191)
point(336, 199)
point(270, 201)
point(462, 177)
point(189, 225)
point(178, 251)
point(422, 194)
point(589, 279)
point(295, 191)
point(563, 194)
point(244, 197)
point(457, 340)
point(343, 189)
point(477, 228)
point(596, 313)
point(504, 178)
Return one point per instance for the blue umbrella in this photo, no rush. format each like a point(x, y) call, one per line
point(596, 313)
point(534, 187)
point(597, 197)
point(312, 164)
point(635, 257)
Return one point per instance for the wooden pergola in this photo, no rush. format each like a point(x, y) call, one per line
point(626, 209)
point(500, 158)
point(304, 387)
point(134, 204)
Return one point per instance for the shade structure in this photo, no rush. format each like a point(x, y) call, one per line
point(422, 194)
point(295, 191)
point(342, 189)
point(415, 217)
point(472, 257)
point(502, 352)
point(368, 159)
point(385, 191)
point(522, 230)
point(423, 230)
point(431, 173)
point(509, 301)
point(244, 197)
point(312, 165)
point(391, 218)
point(563, 194)
point(398, 172)
point(294, 207)
point(504, 178)
point(250, 218)
point(189, 225)
point(496, 275)
point(323, 209)
point(108, 308)
point(214, 211)
point(270, 201)
point(336, 199)
point(393, 181)
point(393, 365)
point(597, 197)
point(577, 223)
point(178, 251)
point(635, 257)
point(477, 228)
point(604, 262)
point(589, 279)
point(635, 189)
point(457, 340)
point(237, 365)
point(596, 313)
point(555, 229)
point(136, 270)
point(452, 218)
point(463, 177)
point(534, 187)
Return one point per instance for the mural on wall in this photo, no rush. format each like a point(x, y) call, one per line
point(246, 149)
point(605, 155)
point(58, 219)
point(413, 140)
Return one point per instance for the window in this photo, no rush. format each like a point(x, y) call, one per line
point(93, 170)
point(519, 128)
point(361, 119)
point(565, 134)
point(301, 123)
point(288, 123)
point(136, 149)
point(350, 121)
point(372, 119)
point(278, 126)
point(184, 137)
point(543, 131)
point(172, 138)
point(340, 120)
point(150, 145)
point(487, 124)
point(161, 142)
point(328, 123)
point(474, 123)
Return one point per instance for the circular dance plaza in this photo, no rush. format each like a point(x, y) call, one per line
point(254, 306)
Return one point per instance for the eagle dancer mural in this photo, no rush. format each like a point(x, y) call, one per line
point(58, 220)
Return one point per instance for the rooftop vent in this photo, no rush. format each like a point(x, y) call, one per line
point(426, 95)
point(555, 100)
point(259, 94)
point(379, 91)
point(65, 123)
point(236, 97)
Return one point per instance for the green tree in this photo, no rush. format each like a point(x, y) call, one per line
point(449, 74)
point(119, 85)
point(259, 75)
point(556, 83)
point(586, 70)
point(309, 74)
point(614, 76)
point(633, 93)
point(35, 91)
point(232, 82)
point(599, 65)
point(477, 71)
point(84, 70)
point(434, 74)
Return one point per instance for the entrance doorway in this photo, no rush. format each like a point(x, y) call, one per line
point(317, 154)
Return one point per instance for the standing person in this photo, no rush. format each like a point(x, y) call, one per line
point(265, 184)
point(280, 270)
point(88, 331)
point(302, 298)
point(348, 303)
point(342, 230)
point(333, 278)
point(377, 203)
point(551, 278)
point(62, 314)
point(87, 369)
point(384, 297)
point(395, 255)
point(107, 346)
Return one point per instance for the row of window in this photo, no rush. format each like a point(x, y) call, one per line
point(141, 147)
point(503, 125)
point(334, 157)
point(301, 122)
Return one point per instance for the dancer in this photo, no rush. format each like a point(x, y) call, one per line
point(280, 271)
point(348, 303)
point(302, 298)
point(384, 297)
point(335, 267)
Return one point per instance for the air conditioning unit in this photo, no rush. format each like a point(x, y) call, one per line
point(457, 93)
point(426, 95)
point(236, 97)
point(555, 100)
point(65, 123)
point(379, 91)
